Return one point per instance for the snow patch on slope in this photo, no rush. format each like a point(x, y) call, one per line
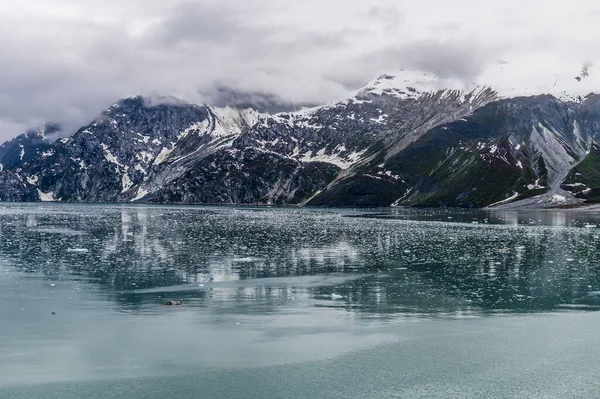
point(46, 197)
point(335, 158)
point(109, 156)
point(230, 121)
point(164, 154)
point(406, 84)
point(141, 193)
point(126, 182)
point(505, 201)
point(32, 180)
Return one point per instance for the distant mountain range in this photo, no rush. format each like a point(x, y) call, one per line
point(400, 140)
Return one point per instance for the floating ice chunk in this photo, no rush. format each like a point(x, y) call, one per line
point(336, 297)
point(78, 250)
point(246, 259)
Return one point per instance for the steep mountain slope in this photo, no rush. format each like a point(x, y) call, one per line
point(509, 150)
point(505, 151)
point(401, 140)
point(107, 159)
point(381, 119)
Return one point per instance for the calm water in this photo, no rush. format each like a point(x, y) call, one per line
point(297, 303)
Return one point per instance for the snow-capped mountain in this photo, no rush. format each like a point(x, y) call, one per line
point(403, 139)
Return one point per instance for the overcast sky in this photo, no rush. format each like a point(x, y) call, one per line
point(67, 60)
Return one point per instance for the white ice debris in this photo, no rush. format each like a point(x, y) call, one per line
point(140, 169)
point(558, 198)
point(80, 162)
point(126, 181)
point(78, 250)
point(405, 84)
point(32, 180)
point(335, 297)
point(46, 197)
point(47, 154)
point(535, 186)
point(141, 193)
point(110, 157)
point(509, 199)
point(198, 127)
point(230, 121)
point(380, 119)
point(144, 139)
point(308, 125)
point(144, 156)
point(336, 157)
point(164, 154)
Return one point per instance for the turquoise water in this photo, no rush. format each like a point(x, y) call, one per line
point(297, 303)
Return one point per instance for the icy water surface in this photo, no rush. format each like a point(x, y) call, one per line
point(297, 303)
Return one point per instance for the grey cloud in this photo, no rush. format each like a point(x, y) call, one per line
point(223, 96)
point(221, 25)
point(447, 60)
point(191, 22)
point(389, 17)
point(444, 59)
point(193, 46)
point(585, 69)
point(67, 67)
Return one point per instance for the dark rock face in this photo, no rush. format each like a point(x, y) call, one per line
point(13, 189)
point(245, 177)
point(391, 144)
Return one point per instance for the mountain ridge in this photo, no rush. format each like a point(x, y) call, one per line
point(400, 140)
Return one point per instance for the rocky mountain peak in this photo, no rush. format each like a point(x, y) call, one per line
point(403, 84)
